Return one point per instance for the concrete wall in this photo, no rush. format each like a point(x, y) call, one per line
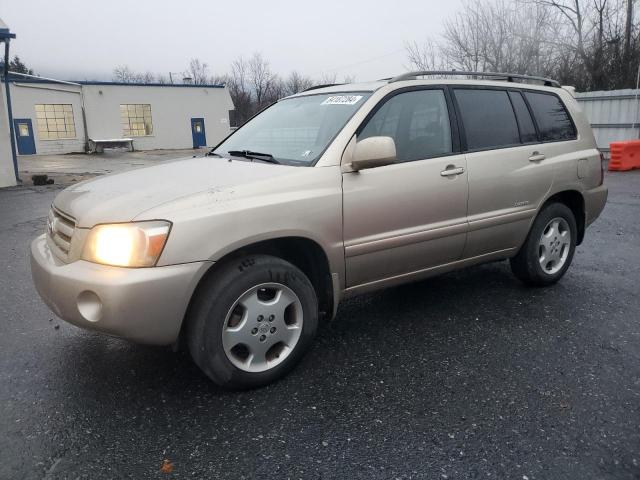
point(613, 115)
point(7, 175)
point(172, 108)
point(24, 97)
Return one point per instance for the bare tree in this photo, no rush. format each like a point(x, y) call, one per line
point(465, 39)
point(297, 82)
point(574, 13)
point(198, 71)
point(327, 79)
point(261, 79)
point(500, 36)
point(238, 85)
point(601, 39)
point(124, 74)
point(628, 29)
point(147, 77)
point(277, 90)
point(587, 43)
point(424, 56)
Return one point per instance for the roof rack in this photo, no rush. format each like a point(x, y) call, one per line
point(315, 87)
point(509, 77)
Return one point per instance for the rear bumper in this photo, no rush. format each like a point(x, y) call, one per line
point(146, 305)
point(594, 202)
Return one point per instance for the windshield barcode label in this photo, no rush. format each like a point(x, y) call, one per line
point(342, 100)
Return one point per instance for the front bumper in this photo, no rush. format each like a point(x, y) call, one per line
point(146, 305)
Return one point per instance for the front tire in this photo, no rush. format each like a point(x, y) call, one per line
point(548, 250)
point(252, 321)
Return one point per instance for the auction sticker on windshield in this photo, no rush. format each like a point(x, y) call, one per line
point(342, 100)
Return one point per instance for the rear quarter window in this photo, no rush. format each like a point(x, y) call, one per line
point(554, 122)
point(525, 123)
point(488, 118)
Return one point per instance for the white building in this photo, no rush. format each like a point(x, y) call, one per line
point(55, 117)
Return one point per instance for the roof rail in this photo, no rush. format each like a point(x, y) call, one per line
point(509, 77)
point(315, 87)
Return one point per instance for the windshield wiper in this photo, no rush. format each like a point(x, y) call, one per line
point(213, 154)
point(265, 157)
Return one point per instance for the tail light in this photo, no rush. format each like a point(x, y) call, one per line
point(602, 160)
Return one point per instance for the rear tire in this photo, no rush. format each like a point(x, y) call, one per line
point(252, 321)
point(548, 250)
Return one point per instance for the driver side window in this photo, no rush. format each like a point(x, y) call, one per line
point(418, 122)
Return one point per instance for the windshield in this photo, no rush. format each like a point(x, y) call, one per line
point(296, 130)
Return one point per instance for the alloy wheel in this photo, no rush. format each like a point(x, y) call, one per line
point(262, 327)
point(554, 245)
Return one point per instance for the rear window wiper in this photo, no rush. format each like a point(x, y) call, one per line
point(265, 157)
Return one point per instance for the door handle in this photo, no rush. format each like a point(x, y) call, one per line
point(537, 157)
point(452, 170)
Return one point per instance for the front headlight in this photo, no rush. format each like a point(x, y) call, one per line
point(136, 244)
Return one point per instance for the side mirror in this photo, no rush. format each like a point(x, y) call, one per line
point(373, 152)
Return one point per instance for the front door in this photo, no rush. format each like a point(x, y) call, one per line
point(197, 132)
point(24, 136)
point(403, 219)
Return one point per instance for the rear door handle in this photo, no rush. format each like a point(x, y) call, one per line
point(452, 170)
point(537, 157)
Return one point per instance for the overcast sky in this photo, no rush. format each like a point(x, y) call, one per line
point(86, 39)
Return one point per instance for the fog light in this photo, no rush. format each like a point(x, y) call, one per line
point(90, 306)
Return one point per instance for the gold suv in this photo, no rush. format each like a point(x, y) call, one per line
point(326, 194)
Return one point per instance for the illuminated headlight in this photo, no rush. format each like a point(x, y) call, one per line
point(136, 244)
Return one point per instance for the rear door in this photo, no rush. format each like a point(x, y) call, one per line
point(508, 174)
point(404, 218)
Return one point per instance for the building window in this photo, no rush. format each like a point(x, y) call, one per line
point(136, 120)
point(23, 130)
point(55, 121)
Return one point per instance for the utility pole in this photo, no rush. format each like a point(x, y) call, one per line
point(6, 36)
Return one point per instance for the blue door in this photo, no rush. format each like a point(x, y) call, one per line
point(24, 136)
point(197, 132)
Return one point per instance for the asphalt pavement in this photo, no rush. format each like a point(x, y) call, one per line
point(468, 375)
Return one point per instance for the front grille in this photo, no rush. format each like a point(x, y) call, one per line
point(60, 228)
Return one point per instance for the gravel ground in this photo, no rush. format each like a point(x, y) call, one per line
point(469, 375)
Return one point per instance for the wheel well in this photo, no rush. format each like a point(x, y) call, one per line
point(574, 200)
point(304, 253)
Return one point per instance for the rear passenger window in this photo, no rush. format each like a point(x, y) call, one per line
point(488, 118)
point(552, 118)
point(418, 122)
point(525, 123)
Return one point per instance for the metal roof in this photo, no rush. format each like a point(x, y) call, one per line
point(18, 78)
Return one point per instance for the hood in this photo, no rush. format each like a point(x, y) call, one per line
point(120, 197)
